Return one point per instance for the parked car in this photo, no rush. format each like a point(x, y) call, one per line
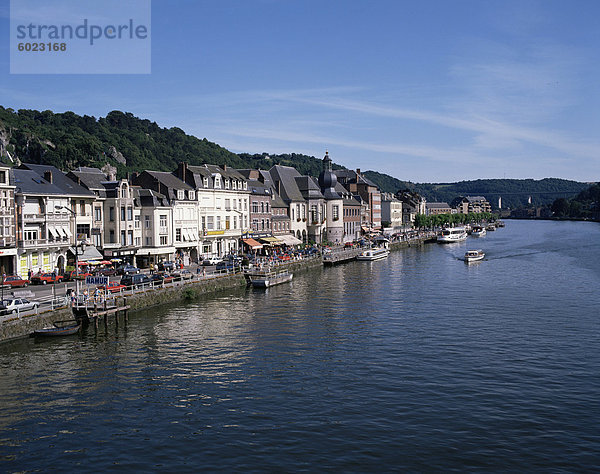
point(45, 278)
point(75, 275)
point(210, 260)
point(15, 281)
point(135, 280)
point(226, 266)
point(17, 305)
point(113, 287)
point(168, 266)
point(161, 278)
point(127, 269)
point(107, 272)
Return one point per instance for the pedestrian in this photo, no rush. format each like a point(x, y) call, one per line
point(29, 273)
point(152, 269)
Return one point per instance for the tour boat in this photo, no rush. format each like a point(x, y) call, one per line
point(478, 231)
point(474, 255)
point(373, 254)
point(267, 279)
point(454, 234)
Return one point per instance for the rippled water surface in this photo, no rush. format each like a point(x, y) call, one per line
point(417, 362)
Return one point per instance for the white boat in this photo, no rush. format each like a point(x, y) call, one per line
point(374, 253)
point(491, 227)
point(267, 279)
point(474, 255)
point(453, 234)
point(478, 231)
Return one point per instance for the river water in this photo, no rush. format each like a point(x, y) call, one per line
point(418, 362)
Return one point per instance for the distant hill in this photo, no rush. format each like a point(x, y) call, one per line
point(514, 192)
point(67, 140)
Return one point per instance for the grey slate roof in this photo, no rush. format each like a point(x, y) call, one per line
point(170, 181)
point(91, 178)
point(437, 205)
point(29, 182)
point(309, 187)
point(59, 179)
point(286, 175)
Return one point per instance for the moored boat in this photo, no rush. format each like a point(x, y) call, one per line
point(60, 328)
point(267, 279)
point(375, 253)
point(478, 231)
point(474, 255)
point(491, 227)
point(452, 234)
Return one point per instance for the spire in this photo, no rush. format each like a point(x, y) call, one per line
point(326, 161)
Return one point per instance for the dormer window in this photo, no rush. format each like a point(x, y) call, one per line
point(226, 184)
point(233, 184)
point(191, 195)
point(205, 182)
point(217, 182)
point(180, 194)
point(245, 185)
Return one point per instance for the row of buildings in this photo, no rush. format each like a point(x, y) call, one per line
point(50, 219)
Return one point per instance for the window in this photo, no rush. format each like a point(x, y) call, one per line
point(205, 182)
point(148, 241)
point(217, 182)
point(97, 213)
point(234, 221)
point(82, 208)
point(124, 192)
point(210, 223)
point(111, 237)
point(163, 220)
point(163, 240)
point(227, 223)
point(218, 222)
point(123, 238)
point(336, 213)
point(255, 207)
point(218, 203)
point(129, 213)
point(228, 204)
point(267, 207)
point(203, 222)
point(130, 237)
point(122, 213)
point(226, 184)
point(262, 224)
point(177, 235)
point(138, 241)
point(146, 222)
point(254, 224)
point(191, 195)
point(180, 194)
point(268, 225)
point(137, 222)
point(111, 214)
point(262, 207)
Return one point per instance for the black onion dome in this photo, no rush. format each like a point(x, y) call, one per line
point(327, 179)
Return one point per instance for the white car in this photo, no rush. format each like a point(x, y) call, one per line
point(17, 305)
point(211, 260)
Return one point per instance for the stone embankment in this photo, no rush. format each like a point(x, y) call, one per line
point(22, 326)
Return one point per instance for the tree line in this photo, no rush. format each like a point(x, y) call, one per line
point(423, 221)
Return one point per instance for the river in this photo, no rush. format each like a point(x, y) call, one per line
point(418, 362)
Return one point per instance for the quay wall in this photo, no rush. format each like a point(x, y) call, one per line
point(23, 326)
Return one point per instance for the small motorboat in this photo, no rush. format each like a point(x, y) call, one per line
point(60, 328)
point(474, 256)
point(267, 279)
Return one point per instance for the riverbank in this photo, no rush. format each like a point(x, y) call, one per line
point(18, 327)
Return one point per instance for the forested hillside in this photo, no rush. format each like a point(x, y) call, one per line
point(67, 140)
point(514, 192)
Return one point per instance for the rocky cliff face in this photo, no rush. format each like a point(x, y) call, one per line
point(116, 155)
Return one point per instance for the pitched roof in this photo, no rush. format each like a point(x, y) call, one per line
point(286, 175)
point(309, 187)
point(91, 178)
point(170, 181)
point(59, 179)
point(437, 205)
point(29, 182)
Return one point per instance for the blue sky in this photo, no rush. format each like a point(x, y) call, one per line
point(426, 91)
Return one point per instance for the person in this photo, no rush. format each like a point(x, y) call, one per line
point(152, 269)
point(29, 273)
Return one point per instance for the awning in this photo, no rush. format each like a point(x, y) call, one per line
point(271, 240)
point(253, 244)
point(67, 232)
point(53, 232)
point(289, 239)
point(90, 253)
point(192, 235)
point(184, 236)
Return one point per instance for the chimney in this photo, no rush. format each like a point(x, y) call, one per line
point(48, 176)
point(182, 170)
point(358, 171)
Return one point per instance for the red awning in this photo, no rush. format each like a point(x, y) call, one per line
point(253, 244)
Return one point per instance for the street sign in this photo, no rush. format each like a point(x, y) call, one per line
point(96, 280)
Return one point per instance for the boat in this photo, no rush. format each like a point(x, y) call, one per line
point(478, 231)
point(474, 255)
point(374, 253)
point(266, 279)
point(453, 234)
point(500, 224)
point(60, 328)
point(491, 227)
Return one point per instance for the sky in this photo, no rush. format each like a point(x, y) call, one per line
point(425, 91)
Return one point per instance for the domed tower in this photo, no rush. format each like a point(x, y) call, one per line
point(328, 180)
point(334, 204)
